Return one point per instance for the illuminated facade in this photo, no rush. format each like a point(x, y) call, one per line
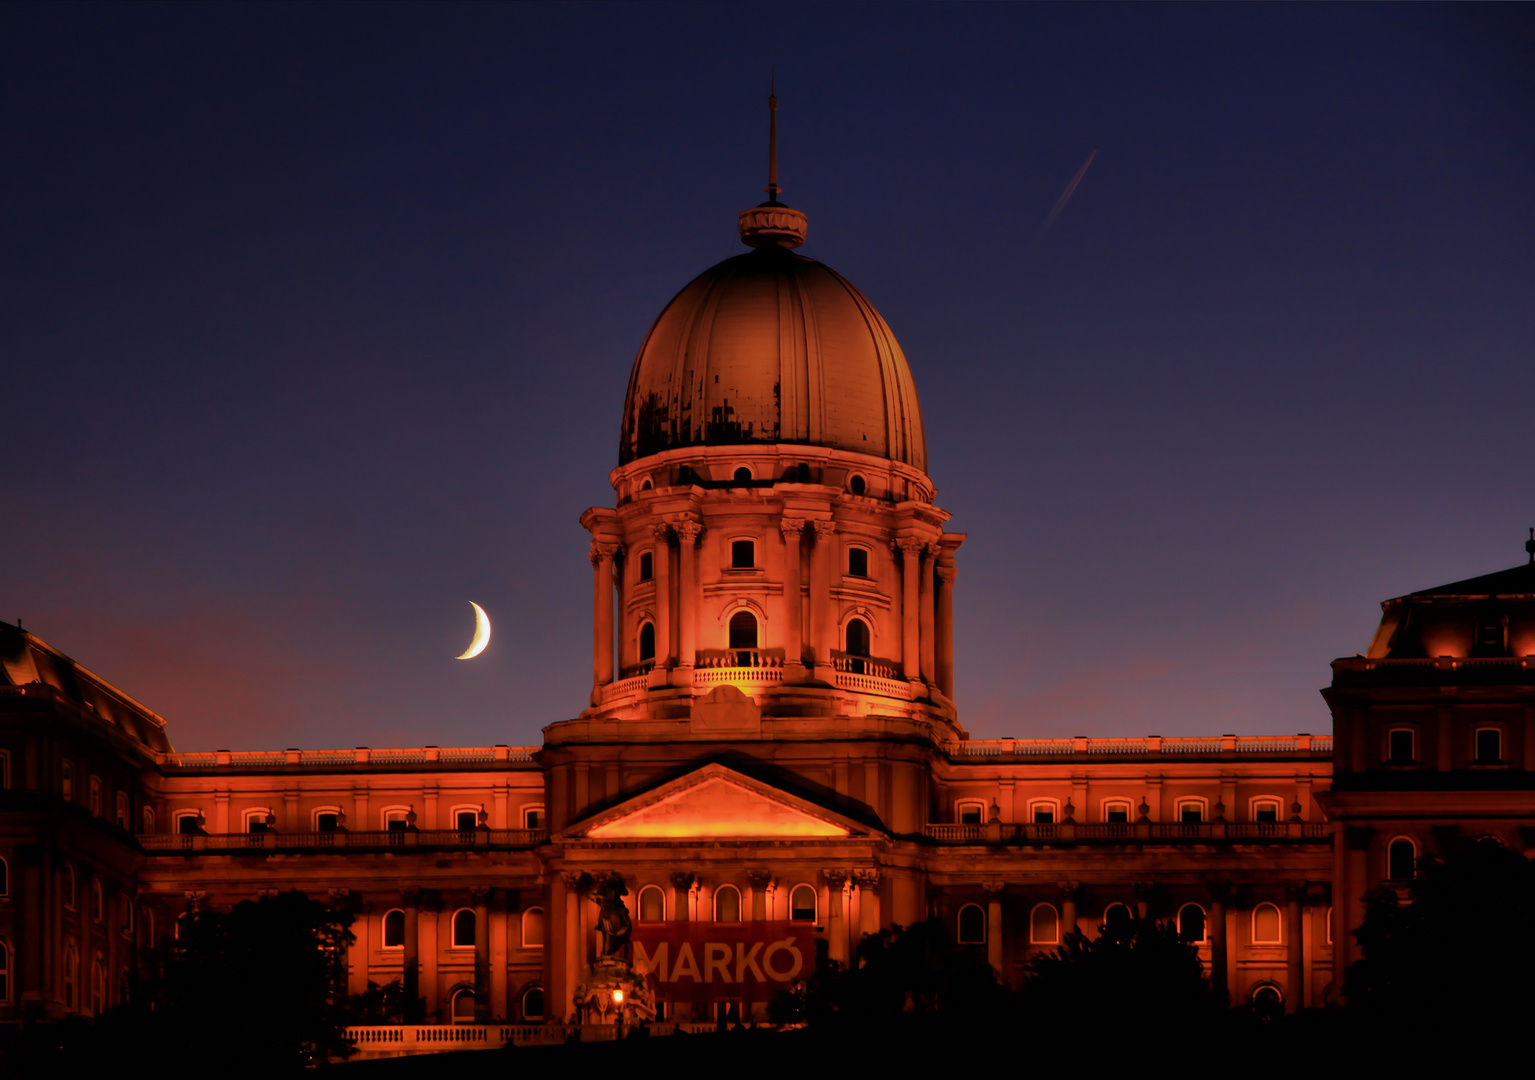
point(771, 760)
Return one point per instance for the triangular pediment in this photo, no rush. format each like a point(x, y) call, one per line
point(716, 802)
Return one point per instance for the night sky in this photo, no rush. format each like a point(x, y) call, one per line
point(317, 323)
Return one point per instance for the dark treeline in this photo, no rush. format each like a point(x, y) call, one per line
point(260, 990)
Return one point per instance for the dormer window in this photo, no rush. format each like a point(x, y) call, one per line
point(743, 554)
point(743, 475)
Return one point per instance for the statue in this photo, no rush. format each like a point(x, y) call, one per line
point(613, 919)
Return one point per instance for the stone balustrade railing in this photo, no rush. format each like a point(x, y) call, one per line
point(1198, 746)
point(1123, 832)
point(399, 1040)
point(341, 840)
point(362, 755)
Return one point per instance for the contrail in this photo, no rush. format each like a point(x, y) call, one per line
point(1060, 204)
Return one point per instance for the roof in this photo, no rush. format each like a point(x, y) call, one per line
point(1518, 580)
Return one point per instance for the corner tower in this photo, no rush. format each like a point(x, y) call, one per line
point(774, 551)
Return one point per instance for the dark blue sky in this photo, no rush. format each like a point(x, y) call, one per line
point(317, 323)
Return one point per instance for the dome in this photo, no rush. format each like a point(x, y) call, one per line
point(772, 347)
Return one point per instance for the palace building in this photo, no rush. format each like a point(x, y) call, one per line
point(771, 762)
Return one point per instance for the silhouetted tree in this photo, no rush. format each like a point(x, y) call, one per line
point(1133, 970)
point(901, 977)
point(1461, 943)
point(262, 987)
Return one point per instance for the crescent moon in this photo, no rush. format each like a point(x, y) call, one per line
point(481, 633)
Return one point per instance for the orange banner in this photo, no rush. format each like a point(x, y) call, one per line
point(707, 961)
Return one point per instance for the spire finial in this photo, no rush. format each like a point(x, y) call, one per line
point(1529, 545)
point(772, 188)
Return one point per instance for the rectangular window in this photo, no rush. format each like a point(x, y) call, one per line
point(1266, 811)
point(1118, 814)
point(743, 554)
point(466, 819)
point(326, 822)
point(1191, 813)
point(647, 566)
point(533, 817)
point(255, 824)
point(970, 813)
point(1399, 748)
point(857, 562)
point(186, 823)
point(1044, 815)
point(1489, 746)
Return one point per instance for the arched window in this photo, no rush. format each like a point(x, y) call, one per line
point(972, 925)
point(532, 817)
point(259, 819)
point(1266, 924)
point(743, 475)
point(1266, 810)
point(1401, 859)
point(1191, 811)
point(646, 484)
point(1116, 914)
point(1044, 925)
point(5, 878)
point(647, 565)
point(802, 900)
point(98, 987)
point(1191, 923)
point(394, 929)
point(147, 821)
point(96, 904)
point(857, 637)
point(68, 784)
point(1042, 811)
point(652, 904)
point(1267, 1000)
point(396, 818)
point(743, 554)
point(743, 630)
point(1117, 812)
point(647, 642)
point(189, 822)
point(122, 810)
point(533, 1003)
point(1400, 749)
point(533, 928)
point(125, 909)
point(463, 929)
point(727, 904)
point(95, 799)
point(463, 1007)
point(69, 886)
point(466, 818)
point(5, 770)
point(327, 819)
point(1329, 926)
point(5, 973)
point(857, 563)
point(970, 812)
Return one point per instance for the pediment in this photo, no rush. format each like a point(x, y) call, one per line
point(716, 802)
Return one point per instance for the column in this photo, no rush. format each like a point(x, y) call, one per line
point(499, 928)
point(794, 609)
point(823, 637)
point(868, 891)
point(662, 568)
point(410, 974)
point(573, 959)
point(994, 925)
point(480, 896)
point(911, 662)
point(945, 630)
point(359, 951)
point(929, 649)
point(1295, 964)
point(602, 613)
point(761, 883)
point(682, 894)
point(836, 923)
point(1069, 892)
point(1215, 929)
point(687, 601)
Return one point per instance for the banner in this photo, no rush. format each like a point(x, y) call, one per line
point(708, 961)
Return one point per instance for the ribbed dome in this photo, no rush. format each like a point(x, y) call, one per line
point(772, 347)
